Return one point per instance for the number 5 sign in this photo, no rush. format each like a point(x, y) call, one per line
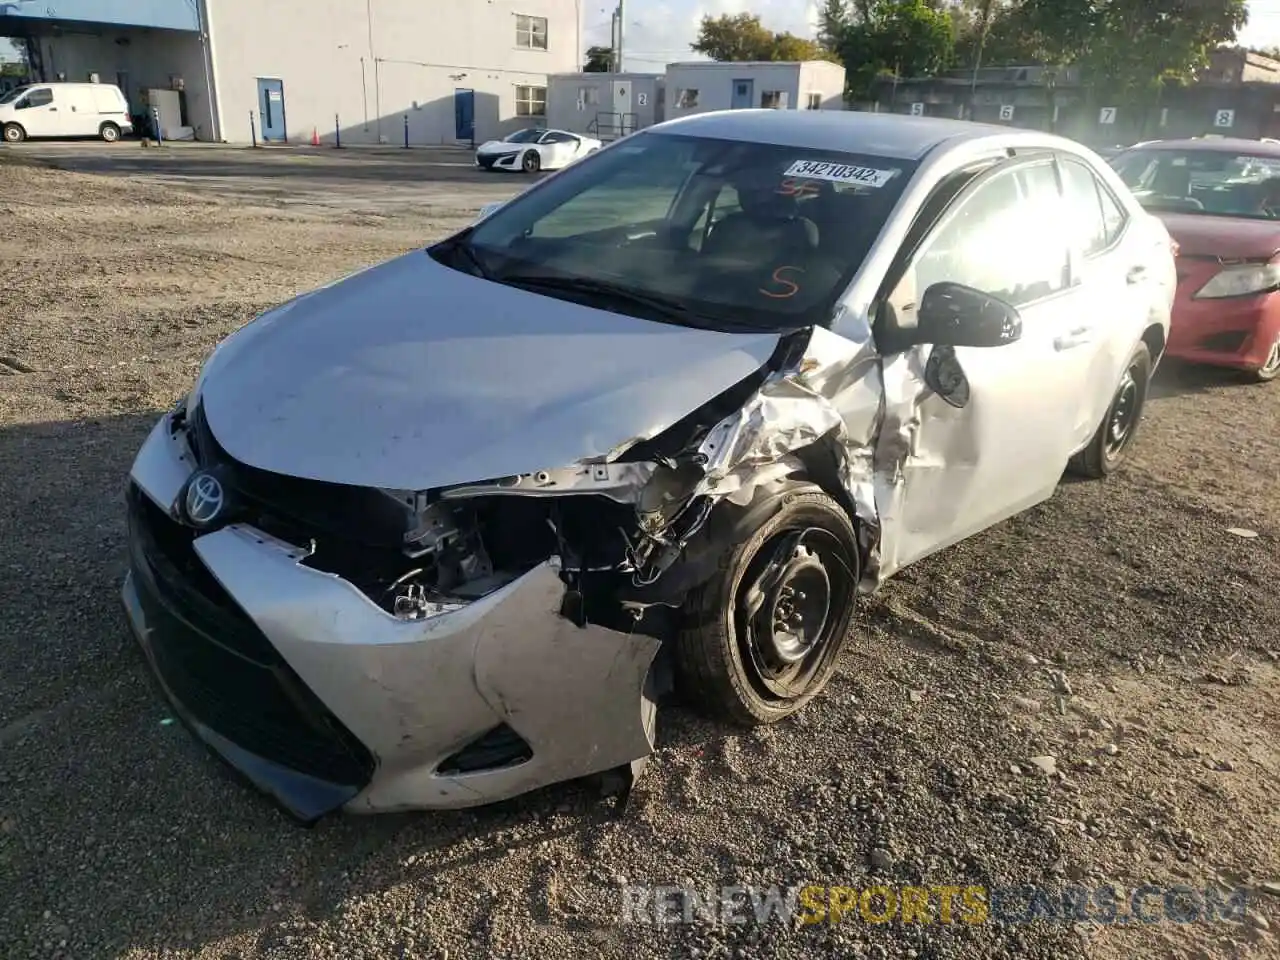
point(1006, 111)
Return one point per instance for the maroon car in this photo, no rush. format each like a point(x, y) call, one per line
point(1220, 199)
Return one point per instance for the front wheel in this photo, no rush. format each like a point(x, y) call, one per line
point(14, 133)
point(109, 132)
point(1270, 368)
point(531, 162)
point(763, 636)
point(1111, 444)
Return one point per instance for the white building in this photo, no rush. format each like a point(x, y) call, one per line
point(604, 105)
point(703, 87)
point(446, 71)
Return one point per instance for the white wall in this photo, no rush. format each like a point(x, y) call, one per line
point(714, 83)
point(825, 79)
point(151, 58)
point(334, 59)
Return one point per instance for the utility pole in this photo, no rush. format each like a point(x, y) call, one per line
point(622, 19)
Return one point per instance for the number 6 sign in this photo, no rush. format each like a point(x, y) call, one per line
point(1006, 111)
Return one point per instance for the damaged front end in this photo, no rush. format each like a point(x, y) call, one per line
point(378, 649)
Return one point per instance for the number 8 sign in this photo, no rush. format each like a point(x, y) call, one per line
point(1224, 118)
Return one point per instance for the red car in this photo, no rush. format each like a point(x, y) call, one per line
point(1220, 199)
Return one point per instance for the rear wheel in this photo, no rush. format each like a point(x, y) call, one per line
point(1270, 368)
point(764, 635)
point(531, 162)
point(109, 132)
point(1110, 445)
point(14, 133)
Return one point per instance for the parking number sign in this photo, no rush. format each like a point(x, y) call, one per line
point(1006, 112)
point(1224, 118)
point(1107, 115)
point(642, 99)
point(917, 109)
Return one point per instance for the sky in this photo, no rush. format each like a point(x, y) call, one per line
point(659, 31)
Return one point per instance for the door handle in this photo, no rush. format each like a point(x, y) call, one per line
point(1136, 274)
point(1073, 338)
point(53, 109)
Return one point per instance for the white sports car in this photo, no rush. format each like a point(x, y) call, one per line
point(535, 149)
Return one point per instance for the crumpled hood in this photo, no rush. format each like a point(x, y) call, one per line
point(1231, 238)
point(411, 375)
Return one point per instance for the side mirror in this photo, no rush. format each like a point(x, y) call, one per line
point(954, 315)
point(488, 208)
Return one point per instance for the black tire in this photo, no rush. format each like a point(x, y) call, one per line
point(14, 133)
point(1270, 369)
point(724, 666)
point(531, 162)
point(109, 132)
point(1111, 443)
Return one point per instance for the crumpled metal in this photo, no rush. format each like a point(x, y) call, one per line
point(835, 389)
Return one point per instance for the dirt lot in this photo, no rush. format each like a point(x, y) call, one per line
point(1120, 629)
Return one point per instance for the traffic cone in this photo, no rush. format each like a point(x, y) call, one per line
point(315, 137)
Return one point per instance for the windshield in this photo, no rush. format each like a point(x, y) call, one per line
point(732, 233)
point(14, 94)
point(524, 136)
point(1219, 183)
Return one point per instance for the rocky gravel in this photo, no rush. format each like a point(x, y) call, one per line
point(1088, 694)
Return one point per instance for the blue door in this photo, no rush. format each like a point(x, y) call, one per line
point(464, 114)
point(743, 95)
point(271, 109)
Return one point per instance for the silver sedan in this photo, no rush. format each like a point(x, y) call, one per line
point(448, 530)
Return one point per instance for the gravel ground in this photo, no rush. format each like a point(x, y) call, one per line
point(1119, 629)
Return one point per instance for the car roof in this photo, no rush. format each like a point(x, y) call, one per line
point(892, 135)
point(1237, 145)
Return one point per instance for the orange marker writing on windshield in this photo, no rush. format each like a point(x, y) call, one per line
point(778, 278)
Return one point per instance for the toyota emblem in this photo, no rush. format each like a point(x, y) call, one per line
point(205, 499)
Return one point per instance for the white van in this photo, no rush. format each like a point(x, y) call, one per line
point(65, 110)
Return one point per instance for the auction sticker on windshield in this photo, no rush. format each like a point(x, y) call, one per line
point(839, 173)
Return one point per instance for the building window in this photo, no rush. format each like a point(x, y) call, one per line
point(531, 101)
point(815, 102)
point(686, 99)
point(589, 96)
point(531, 32)
point(773, 99)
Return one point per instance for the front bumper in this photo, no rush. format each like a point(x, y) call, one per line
point(498, 161)
point(319, 697)
point(1234, 332)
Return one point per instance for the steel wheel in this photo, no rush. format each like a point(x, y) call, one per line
point(1124, 415)
point(1113, 437)
point(786, 613)
point(762, 636)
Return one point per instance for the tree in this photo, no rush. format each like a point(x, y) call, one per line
point(599, 60)
point(1129, 52)
point(834, 20)
point(741, 37)
point(908, 38)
